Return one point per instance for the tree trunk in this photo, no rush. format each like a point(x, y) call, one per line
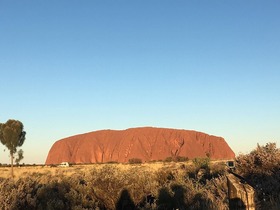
point(12, 164)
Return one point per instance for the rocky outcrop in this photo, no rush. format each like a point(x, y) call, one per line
point(145, 143)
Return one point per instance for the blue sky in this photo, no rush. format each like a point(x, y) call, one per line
point(70, 67)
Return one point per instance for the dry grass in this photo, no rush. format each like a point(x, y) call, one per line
point(23, 171)
point(158, 185)
point(170, 184)
point(20, 172)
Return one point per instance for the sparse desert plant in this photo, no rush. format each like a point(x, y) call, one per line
point(19, 156)
point(141, 186)
point(135, 161)
point(181, 159)
point(111, 186)
point(261, 168)
point(106, 184)
point(218, 169)
point(176, 159)
point(201, 163)
point(168, 159)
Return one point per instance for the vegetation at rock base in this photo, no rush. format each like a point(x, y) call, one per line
point(176, 159)
point(196, 184)
point(135, 161)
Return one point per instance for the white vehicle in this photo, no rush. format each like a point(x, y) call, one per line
point(64, 164)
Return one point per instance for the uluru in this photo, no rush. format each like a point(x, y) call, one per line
point(145, 143)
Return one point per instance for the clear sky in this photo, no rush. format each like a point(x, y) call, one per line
point(69, 67)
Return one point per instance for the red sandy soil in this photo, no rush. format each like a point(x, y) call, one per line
point(145, 143)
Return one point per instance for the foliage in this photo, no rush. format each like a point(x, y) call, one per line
point(202, 163)
point(135, 161)
point(12, 136)
point(200, 185)
point(19, 156)
point(261, 168)
point(110, 187)
point(176, 159)
point(168, 159)
point(181, 159)
point(263, 159)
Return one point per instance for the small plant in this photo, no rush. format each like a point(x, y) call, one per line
point(176, 159)
point(261, 167)
point(201, 163)
point(181, 159)
point(168, 159)
point(135, 161)
point(111, 162)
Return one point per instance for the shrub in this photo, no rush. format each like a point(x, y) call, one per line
point(261, 168)
point(201, 163)
point(218, 169)
point(135, 161)
point(111, 187)
point(111, 162)
point(168, 159)
point(176, 159)
point(181, 159)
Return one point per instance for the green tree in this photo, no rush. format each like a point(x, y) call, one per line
point(19, 156)
point(12, 136)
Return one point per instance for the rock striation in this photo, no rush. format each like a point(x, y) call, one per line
point(145, 143)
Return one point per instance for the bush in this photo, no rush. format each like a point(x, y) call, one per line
point(181, 159)
point(176, 159)
point(110, 187)
point(261, 168)
point(111, 162)
point(135, 161)
point(168, 159)
point(201, 163)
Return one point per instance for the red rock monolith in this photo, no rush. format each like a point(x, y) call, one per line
point(146, 143)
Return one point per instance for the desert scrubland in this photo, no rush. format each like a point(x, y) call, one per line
point(110, 186)
point(194, 184)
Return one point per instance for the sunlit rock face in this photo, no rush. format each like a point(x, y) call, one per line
point(146, 143)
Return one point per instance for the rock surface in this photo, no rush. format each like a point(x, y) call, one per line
point(145, 143)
